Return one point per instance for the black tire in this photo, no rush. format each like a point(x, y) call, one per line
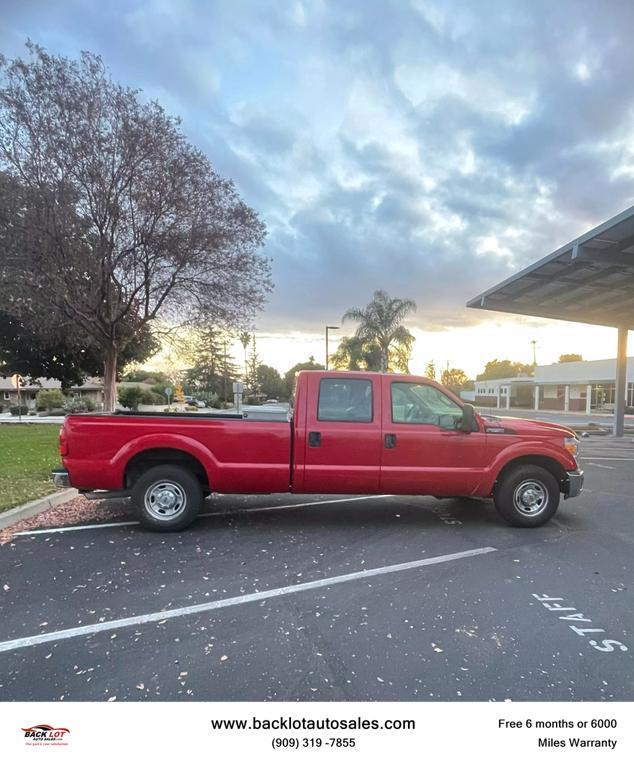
point(182, 497)
point(527, 496)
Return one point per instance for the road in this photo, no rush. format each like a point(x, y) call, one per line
point(379, 598)
point(570, 418)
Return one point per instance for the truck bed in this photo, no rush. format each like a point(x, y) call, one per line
point(239, 455)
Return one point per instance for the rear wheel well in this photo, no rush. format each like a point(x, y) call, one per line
point(155, 456)
point(551, 465)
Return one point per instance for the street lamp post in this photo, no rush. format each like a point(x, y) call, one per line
point(329, 328)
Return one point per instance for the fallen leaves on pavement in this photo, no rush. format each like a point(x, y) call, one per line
point(79, 511)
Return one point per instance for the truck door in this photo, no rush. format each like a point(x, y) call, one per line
point(422, 450)
point(342, 435)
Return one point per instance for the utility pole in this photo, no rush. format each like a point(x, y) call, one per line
point(534, 343)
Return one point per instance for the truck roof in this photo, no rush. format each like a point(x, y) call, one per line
point(368, 374)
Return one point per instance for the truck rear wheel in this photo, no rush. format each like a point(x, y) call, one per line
point(167, 498)
point(527, 496)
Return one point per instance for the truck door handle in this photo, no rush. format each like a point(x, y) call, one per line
point(314, 439)
point(390, 441)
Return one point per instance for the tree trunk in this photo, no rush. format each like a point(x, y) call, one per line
point(110, 380)
point(384, 359)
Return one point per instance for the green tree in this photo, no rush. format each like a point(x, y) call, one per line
point(354, 354)
point(289, 376)
point(211, 367)
point(47, 399)
point(146, 377)
point(270, 382)
point(572, 357)
point(430, 370)
point(454, 379)
point(56, 348)
point(252, 382)
point(381, 323)
point(503, 369)
point(130, 397)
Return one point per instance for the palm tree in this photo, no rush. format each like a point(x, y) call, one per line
point(380, 323)
point(245, 340)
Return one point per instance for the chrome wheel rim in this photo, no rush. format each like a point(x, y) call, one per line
point(530, 498)
point(165, 500)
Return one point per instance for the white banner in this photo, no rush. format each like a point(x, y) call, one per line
point(350, 734)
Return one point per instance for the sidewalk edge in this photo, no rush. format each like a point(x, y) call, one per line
point(32, 508)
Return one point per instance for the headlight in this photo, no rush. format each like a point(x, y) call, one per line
point(571, 444)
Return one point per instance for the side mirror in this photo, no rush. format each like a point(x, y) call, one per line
point(468, 423)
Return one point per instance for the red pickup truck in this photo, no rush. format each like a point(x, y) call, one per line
point(348, 433)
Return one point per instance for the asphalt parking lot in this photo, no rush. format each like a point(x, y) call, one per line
point(385, 598)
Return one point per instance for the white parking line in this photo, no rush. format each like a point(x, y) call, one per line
point(312, 503)
point(605, 458)
point(42, 531)
point(601, 466)
point(131, 621)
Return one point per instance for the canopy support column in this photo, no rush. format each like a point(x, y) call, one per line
point(619, 392)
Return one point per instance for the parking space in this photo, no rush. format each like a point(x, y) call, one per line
point(391, 598)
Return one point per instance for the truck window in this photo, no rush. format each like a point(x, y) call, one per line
point(414, 403)
point(345, 400)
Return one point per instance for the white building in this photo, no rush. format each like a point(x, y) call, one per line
point(580, 386)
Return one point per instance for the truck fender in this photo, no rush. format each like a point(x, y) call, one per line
point(519, 451)
point(165, 440)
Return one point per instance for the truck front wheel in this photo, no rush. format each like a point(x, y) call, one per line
point(167, 498)
point(527, 496)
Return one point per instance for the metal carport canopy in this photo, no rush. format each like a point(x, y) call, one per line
point(589, 280)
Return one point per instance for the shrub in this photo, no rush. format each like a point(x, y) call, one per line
point(130, 397)
point(49, 398)
point(157, 389)
point(18, 410)
point(79, 404)
point(207, 396)
point(148, 397)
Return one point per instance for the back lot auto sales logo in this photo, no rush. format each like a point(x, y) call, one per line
point(41, 735)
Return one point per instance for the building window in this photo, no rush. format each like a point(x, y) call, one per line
point(630, 394)
point(602, 395)
point(7, 396)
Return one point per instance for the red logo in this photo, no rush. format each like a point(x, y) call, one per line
point(45, 734)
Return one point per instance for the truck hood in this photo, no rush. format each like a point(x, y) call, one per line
point(527, 427)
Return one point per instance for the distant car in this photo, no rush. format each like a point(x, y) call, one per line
point(190, 400)
point(272, 401)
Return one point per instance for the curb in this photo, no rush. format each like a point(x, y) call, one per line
point(32, 508)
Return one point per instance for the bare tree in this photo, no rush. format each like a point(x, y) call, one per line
point(122, 221)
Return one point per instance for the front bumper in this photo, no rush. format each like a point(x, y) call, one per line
point(573, 484)
point(60, 478)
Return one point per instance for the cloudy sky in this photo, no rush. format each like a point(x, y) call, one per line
point(427, 148)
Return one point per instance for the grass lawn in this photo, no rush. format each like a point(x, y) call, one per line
point(28, 452)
